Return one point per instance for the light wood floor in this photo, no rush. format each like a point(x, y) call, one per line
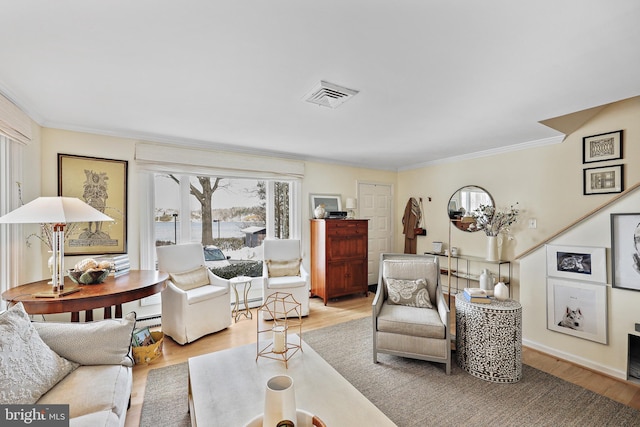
point(351, 308)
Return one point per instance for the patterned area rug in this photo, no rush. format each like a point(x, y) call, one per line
point(417, 393)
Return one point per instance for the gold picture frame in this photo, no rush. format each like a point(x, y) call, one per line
point(101, 183)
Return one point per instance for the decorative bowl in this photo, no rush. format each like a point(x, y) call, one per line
point(92, 277)
point(304, 419)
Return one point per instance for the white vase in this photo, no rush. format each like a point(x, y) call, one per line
point(492, 248)
point(486, 280)
point(501, 292)
point(279, 401)
point(319, 212)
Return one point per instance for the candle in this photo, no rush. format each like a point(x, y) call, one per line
point(279, 339)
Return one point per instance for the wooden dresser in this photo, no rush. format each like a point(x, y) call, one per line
point(338, 257)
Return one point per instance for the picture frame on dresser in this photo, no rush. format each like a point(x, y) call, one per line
point(625, 251)
point(577, 308)
point(331, 202)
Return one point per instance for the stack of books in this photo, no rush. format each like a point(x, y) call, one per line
point(121, 265)
point(476, 295)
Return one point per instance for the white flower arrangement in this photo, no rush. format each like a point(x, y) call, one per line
point(493, 221)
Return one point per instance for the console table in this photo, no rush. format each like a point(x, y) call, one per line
point(135, 285)
point(489, 339)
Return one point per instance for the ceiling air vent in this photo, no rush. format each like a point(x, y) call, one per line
point(329, 95)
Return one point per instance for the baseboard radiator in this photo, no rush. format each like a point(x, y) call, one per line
point(149, 321)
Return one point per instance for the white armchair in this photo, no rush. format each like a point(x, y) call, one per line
point(195, 302)
point(283, 271)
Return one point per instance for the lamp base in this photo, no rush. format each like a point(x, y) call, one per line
point(55, 294)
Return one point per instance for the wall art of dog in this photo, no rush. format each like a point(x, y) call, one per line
point(572, 319)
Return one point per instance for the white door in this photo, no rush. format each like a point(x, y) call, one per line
point(375, 204)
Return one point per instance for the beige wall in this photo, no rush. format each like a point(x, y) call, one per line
point(547, 183)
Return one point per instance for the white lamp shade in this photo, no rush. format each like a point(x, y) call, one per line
point(351, 203)
point(54, 210)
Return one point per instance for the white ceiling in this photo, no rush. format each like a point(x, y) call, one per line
point(437, 79)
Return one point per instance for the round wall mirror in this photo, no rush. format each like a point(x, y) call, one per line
point(462, 204)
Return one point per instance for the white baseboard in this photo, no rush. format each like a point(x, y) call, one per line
point(586, 363)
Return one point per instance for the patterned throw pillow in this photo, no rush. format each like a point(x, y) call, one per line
point(412, 293)
point(283, 268)
point(28, 367)
point(191, 279)
point(105, 342)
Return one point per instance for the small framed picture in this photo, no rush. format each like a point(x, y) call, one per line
point(142, 337)
point(604, 180)
point(577, 262)
point(577, 308)
point(625, 250)
point(331, 202)
point(605, 146)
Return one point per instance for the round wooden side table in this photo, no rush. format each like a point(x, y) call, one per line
point(489, 339)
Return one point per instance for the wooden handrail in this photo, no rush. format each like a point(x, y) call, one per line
point(582, 218)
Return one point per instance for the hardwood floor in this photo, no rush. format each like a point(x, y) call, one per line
point(351, 308)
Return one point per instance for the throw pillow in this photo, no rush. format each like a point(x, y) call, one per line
point(105, 342)
point(28, 367)
point(283, 268)
point(413, 293)
point(191, 279)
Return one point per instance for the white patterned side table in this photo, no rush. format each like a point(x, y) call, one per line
point(489, 339)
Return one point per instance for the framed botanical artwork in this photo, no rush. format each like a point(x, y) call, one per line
point(604, 180)
point(331, 202)
point(577, 262)
point(602, 147)
point(625, 250)
point(577, 308)
point(101, 183)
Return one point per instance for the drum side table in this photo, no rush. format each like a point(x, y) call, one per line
point(489, 339)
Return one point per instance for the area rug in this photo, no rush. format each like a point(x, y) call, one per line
point(417, 393)
point(166, 401)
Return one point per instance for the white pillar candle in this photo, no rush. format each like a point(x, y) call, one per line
point(279, 339)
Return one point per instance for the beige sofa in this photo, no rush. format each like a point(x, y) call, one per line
point(85, 365)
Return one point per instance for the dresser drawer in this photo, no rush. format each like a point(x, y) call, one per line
point(345, 227)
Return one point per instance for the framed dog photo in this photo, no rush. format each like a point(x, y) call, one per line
point(602, 147)
point(625, 250)
point(577, 262)
point(577, 308)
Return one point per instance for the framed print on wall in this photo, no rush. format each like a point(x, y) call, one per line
point(625, 250)
point(604, 180)
point(102, 184)
point(577, 262)
point(577, 308)
point(602, 147)
point(331, 202)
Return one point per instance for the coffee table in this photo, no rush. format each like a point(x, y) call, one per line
point(227, 388)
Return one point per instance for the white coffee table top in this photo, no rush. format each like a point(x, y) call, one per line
point(228, 387)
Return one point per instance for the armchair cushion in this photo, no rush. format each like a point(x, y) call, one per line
point(190, 279)
point(283, 268)
point(412, 293)
point(411, 270)
point(28, 366)
point(204, 293)
point(411, 321)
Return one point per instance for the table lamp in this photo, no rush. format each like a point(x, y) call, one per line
point(350, 205)
point(57, 211)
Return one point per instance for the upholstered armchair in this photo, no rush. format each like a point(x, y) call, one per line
point(283, 271)
point(410, 314)
point(195, 302)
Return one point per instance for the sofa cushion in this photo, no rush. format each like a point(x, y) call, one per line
point(191, 279)
point(414, 321)
point(91, 389)
point(28, 367)
point(412, 293)
point(105, 342)
point(283, 268)
point(285, 282)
